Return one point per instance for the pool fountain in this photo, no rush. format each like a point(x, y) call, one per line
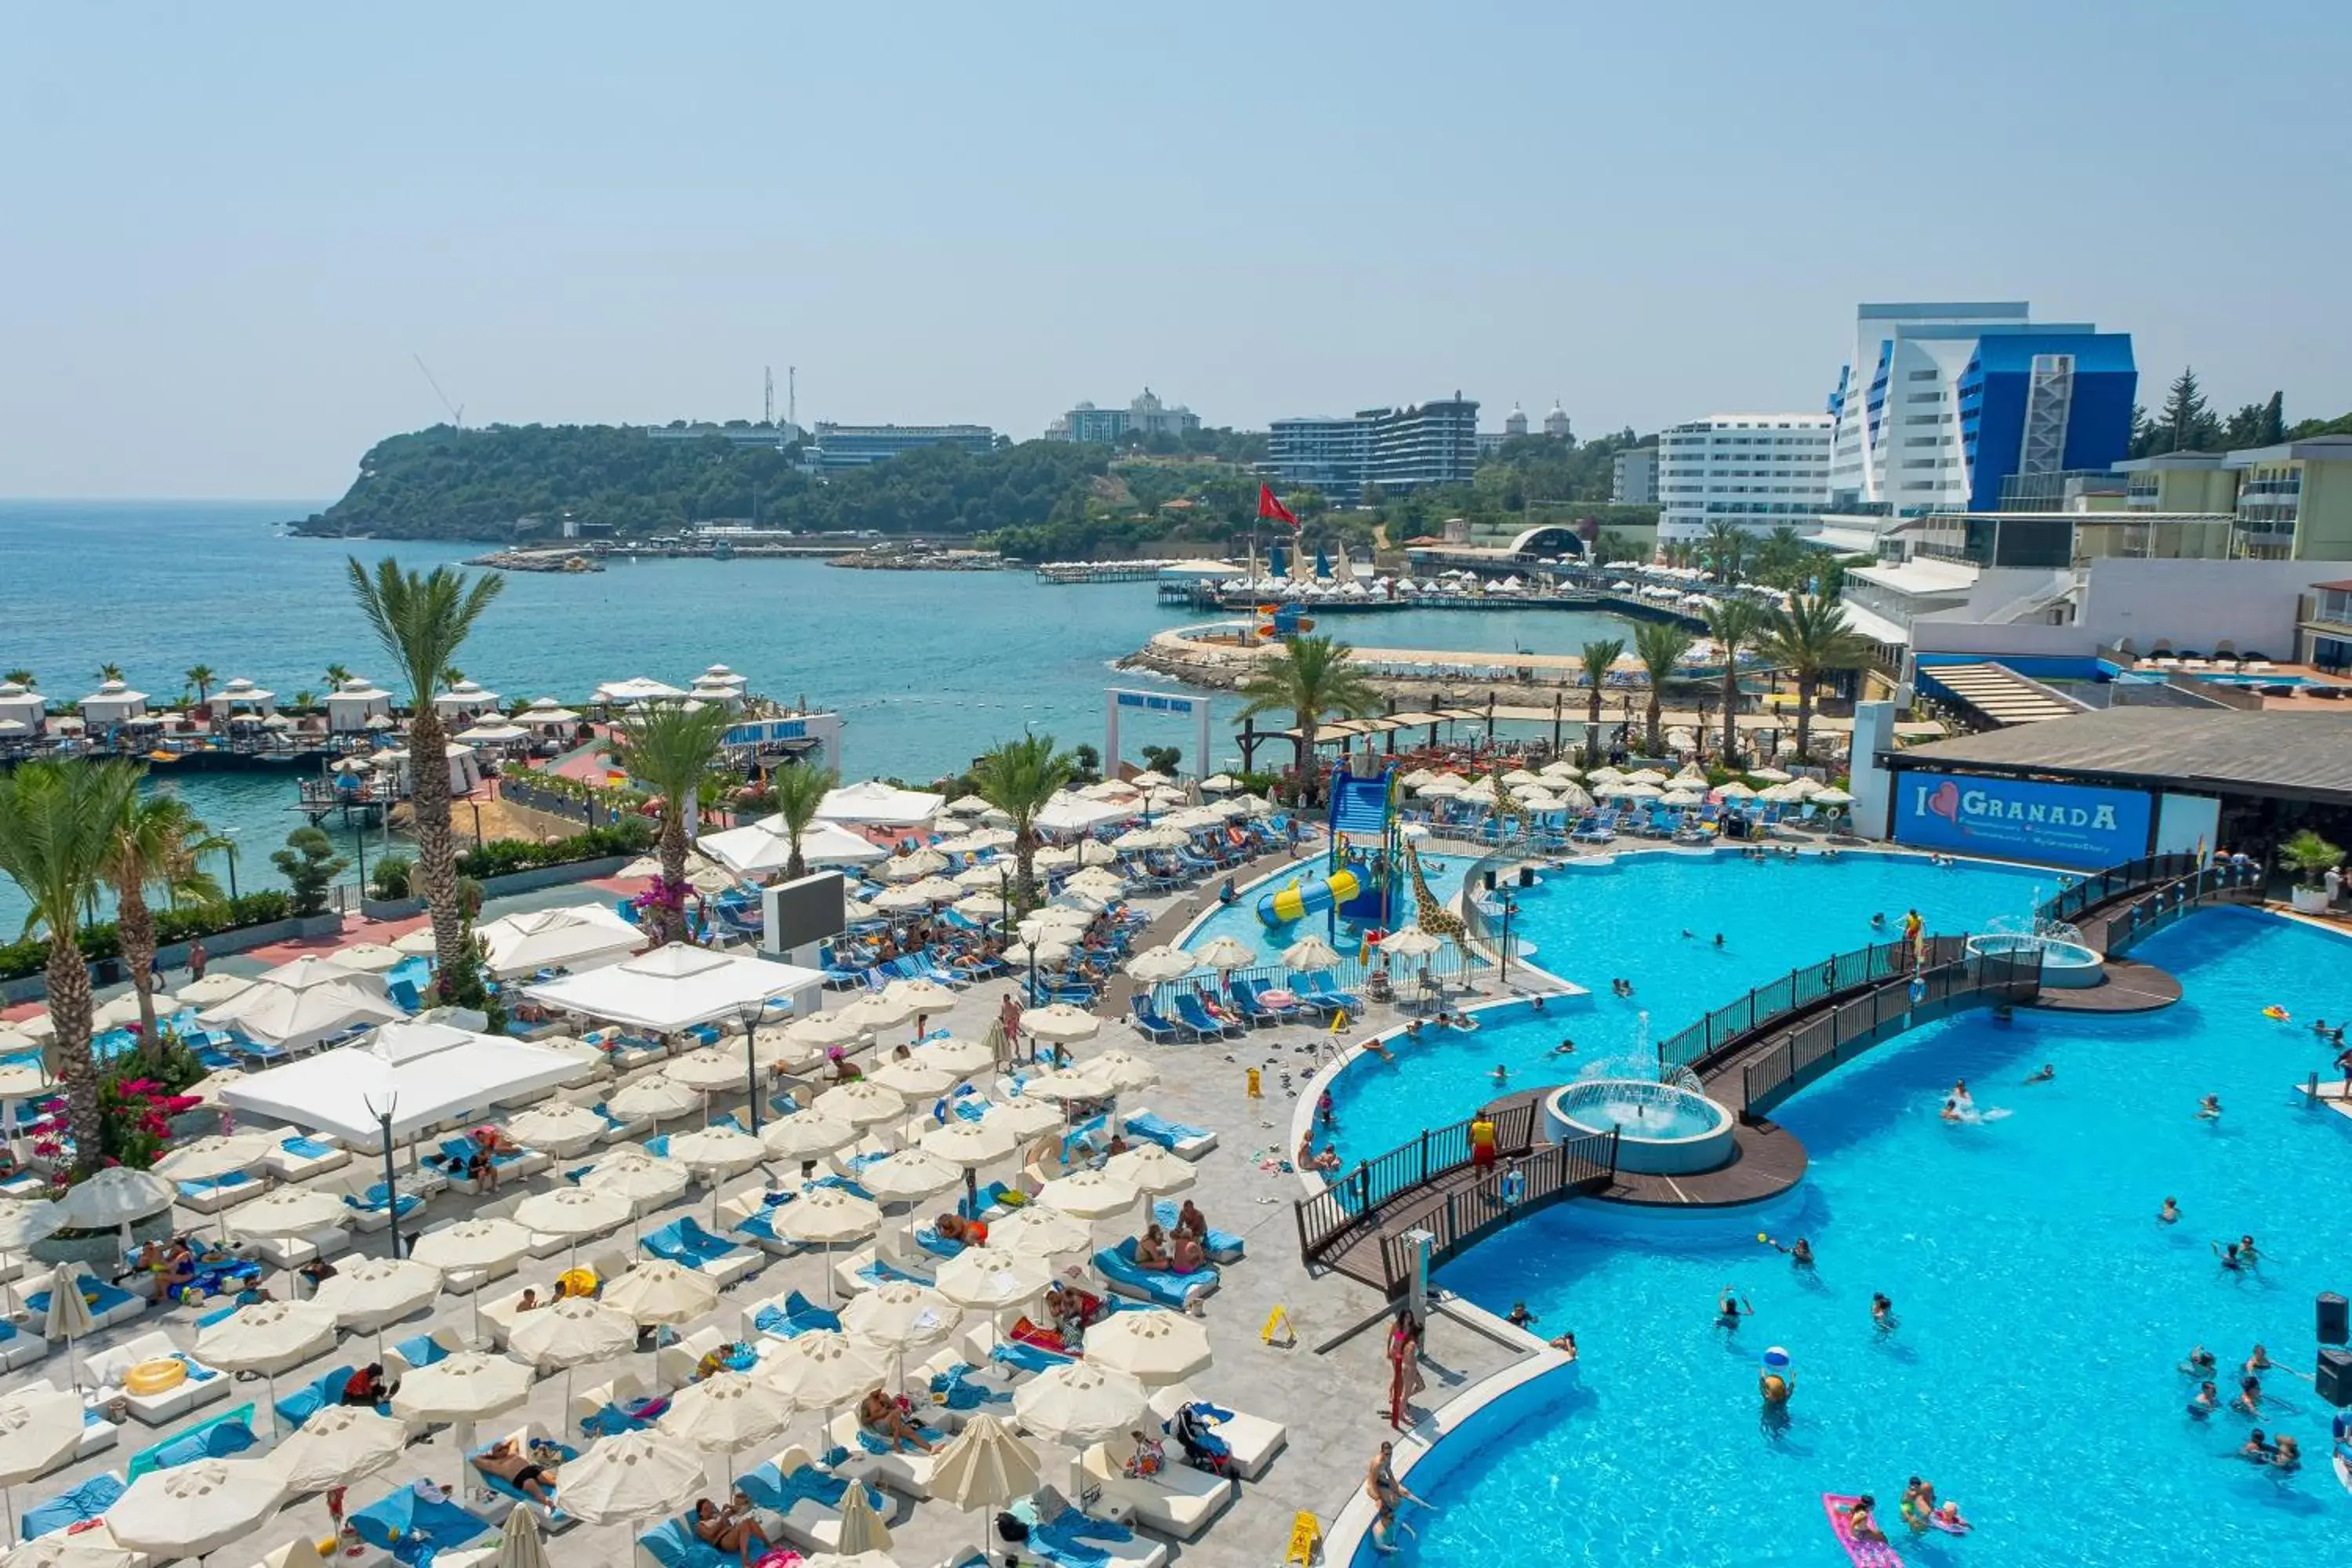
point(1663, 1128)
point(2067, 963)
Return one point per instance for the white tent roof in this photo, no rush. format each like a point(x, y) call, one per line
point(1072, 813)
point(464, 695)
point(493, 734)
point(546, 711)
point(583, 936)
point(638, 688)
point(423, 1073)
point(303, 1002)
point(761, 849)
point(875, 802)
point(673, 987)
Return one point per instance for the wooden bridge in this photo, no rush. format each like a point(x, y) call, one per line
point(1748, 1056)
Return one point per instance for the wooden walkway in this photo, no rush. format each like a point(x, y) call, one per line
point(1361, 1253)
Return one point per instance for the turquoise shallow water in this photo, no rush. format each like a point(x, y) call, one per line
point(928, 669)
point(2041, 1309)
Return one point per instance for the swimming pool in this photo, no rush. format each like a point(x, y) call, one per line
point(2042, 1310)
point(1239, 920)
point(1594, 923)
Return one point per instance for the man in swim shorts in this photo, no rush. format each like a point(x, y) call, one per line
point(504, 1461)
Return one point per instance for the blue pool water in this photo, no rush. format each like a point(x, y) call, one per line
point(1591, 924)
point(2041, 1309)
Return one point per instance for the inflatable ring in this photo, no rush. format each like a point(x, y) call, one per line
point(158, 1376)
point(2275, 1011)
point(578, 1283)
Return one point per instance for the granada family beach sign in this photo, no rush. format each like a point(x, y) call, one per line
point(2059, 824)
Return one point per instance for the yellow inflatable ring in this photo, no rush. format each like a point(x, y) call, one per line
point(159, 1376)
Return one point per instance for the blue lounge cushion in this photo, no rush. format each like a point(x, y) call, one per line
point(798, 1316)
point(86, 1502)
point(1162, 1286)
point(772, 1488)
point(1221, 1245)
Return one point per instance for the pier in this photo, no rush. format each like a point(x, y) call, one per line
point(1068, 573)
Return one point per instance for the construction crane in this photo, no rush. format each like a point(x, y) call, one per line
point(457, 410)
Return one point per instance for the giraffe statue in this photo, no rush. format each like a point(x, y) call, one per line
point(1428, 913)
point(1507, 810)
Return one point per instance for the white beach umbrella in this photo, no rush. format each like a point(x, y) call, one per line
point(718, 1150)
point(1050, 858)
point(1030, 1231)
point(1149, 1168)
point(114, 1196)
point(1094, 852)
point(1734, 790)
point(982, 907)
point(1021, 1117)
point(268, 1337)
point(822, 1369)
point(40, 1427)
point(69, 1316)
point(338, 1446)
point(424, 943)
point(807, 1135)
point(710, 1070)
point(632, 1475)
point(863, 1533)
point(571, 1331)
point(194, 1509)
point(1770, 775)
point(1309, 954)
point(369, 957)
point(472, 1244)
point(902, 901)
point(1832, 797)
point(1098, 880)
point(560, 1127)
point(992, 1279)
point(1081, 1403)
point(909, 1176)
point(1062, 921)
point(37, 1027)
point(22, 1080)
point(900, 1316)
point(1220, 783)
point(1155, 965)
point(1225, 952)
point(821, 1030)
point(969, 1145)
point(1061, 1024)
point(288, 1211)
point(962, 1057)
point(1069, 1083)
point(1682, 797)
point(912, 1077)
point(1045, 954)
point(875, 1011)
point(1412, 942)
point(987, 877)
point(1088, 1195)
point(984, 1468)
point(205, 1159)
point(1123, 1070)
point(922, 998)
point(726, 1413)
point(123, 1011)
point(631, 1174)
point(1562, 769)
point(828, 1216)
point(659, 1098)
point(659, 1292)
point(937, 889)
point(93, 1548)
point(519, 1543)
point(1443, 787)
point(574, 1212)
point(464, 1387)
point(1154, 1346)
point(990, 837)
point(373, 1292)
point(913, 867)
point(861, 1103)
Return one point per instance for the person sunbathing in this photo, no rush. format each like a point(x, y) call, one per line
point(731, 1529)
point(1152, 1250)
point(955, 1227)
point(1190, 1218)
point(505, 1460)
point(879, 1414)
point(1185, 1253)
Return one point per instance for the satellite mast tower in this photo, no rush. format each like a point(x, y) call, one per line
point(768, 415)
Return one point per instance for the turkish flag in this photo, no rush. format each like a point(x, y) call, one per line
point(1269, 509)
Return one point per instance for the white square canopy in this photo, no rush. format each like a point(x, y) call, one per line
point(1070, 812)
point(422, 1073)
point(583, 936)
point(302, 1003)
point(762, 848)
point(673, 987)
point(881, 804)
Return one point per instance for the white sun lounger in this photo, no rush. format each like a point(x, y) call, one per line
point(1253, 1440)
point(1179, 1502)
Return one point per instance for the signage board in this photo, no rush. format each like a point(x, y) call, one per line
point(2079, 826)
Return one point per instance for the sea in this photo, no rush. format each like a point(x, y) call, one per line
point(927, 669)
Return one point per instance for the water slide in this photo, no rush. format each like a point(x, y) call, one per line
point(1308, 895)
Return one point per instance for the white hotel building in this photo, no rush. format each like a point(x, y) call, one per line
point(1757, 470)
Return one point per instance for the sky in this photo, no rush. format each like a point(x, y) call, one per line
point(227, 233)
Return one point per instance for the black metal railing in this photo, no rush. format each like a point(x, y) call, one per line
point(1796, 991)
point(2148, 871)
point(1822, 1041)
point(2165, 902)
point(1465, 1216)
point(1354, 1198)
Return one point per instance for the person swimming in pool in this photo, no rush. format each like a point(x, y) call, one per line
point(2205, 1401)
point(2170, 1212)
point(2233, 1259)
point(1567, 1047)
point(1800, 1254)
point(2246, 1251)
point(1729, 1308)
point(1951, 1112)
point(2260, 1361)
point(2200, 1362)
point(2249, 1401)
point(2256, 1447)
point(2209, 1109)
point(1882, 1312)
point(2045, 1075)
point(1502, 1075)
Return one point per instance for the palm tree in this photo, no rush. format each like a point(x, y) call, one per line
point(1659, 644)
point(669, 748)
point(1018, 778)
point(23, 678)
point(1725, 549)
point(451, 677)
point(1734, 625)
point(1780, 555)
point(1598, 657)
point(158, 844)
point(58, 822)
point(421, 621)
point(107, 672)
point(1311, 678)
point(1807, 640)
point(799, 791)
point(200, 675)
point(336, 676)
point(305, 699)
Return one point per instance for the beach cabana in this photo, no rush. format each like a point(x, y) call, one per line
point(241, 695)
point(112, 704)
point(466, 697)
point(302, 1002)
point(465, 769)
point(677, 986)
point(353, 706)
point(493, 732)
point(546, 713)
point(762, 848)
point(21, 705)
point(637, 688)
point(423, 1073)
point(880, 805)
point(580, 938)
